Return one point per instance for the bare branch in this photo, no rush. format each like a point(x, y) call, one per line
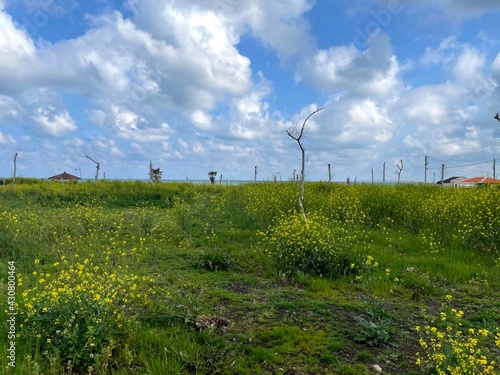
point(296, 134)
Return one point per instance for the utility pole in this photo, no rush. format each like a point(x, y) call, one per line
point(79, 169)
point(494, 170)
point(372, 177)
point(329, 173)
point(383, 174)
point(426, 168)
point(255, 174)
point(442, 174)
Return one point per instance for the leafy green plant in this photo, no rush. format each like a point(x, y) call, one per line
point(215, 260)
point(374, 330)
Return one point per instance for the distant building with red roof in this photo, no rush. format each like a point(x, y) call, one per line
point(469, 182)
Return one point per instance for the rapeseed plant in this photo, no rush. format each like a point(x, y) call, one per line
point(450, 348)
point(318, 246)
point(74, 310)
point(78, 311)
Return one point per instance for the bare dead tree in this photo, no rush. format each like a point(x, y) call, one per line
point(400, 169)
point(15, 169)
point(96, 167)
point(296, 134)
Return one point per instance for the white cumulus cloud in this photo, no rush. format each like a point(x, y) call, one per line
point(54, 123)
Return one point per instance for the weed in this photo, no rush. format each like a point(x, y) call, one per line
point(214, 260)
point(375, 329)
point(374, 333)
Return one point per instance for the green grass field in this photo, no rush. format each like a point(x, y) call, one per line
point(175, 278)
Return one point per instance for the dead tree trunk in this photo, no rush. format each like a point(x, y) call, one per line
point(15, 170)
point(400, 169)
point(96, 167)
point(296, 134)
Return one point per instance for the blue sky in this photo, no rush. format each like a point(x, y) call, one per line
point(203, 85)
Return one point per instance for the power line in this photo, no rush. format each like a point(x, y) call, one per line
point(469, 152)
point(468, 165)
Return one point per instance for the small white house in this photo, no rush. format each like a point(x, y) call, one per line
point(451, 181)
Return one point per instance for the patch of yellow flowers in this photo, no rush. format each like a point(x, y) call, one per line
point(316, 246)
point(77, 311)
point(453, 349)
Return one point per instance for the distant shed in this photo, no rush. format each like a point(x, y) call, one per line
point(64, 177)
